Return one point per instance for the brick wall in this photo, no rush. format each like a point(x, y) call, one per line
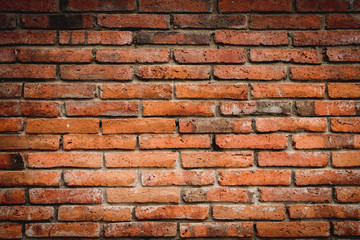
point(179, 118)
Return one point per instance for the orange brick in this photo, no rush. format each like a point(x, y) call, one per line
point(178, 108)
point(254, 177)
point(325, 141)
point(10, 230)
point(348, 228)
point(55, 90)
point(173, 72)
point(264, 141)
point(140, 229)
point(325, 73)
point(343, 55)
point(253, 38)
point(250, 72)
point(64, 159)
point(30, 108)
point(345, 159)
point(293, 159)
point(133, 55)
point(96, 72)
point(12, 196)
point(172, 212)
point(165, 141)
point(11, 124)
point(238, 91)
point(28, 71)
point(12, 161)
point(345, 124)
point(143, 195)
point(59, 126)
point(323, 211)
point(215, 194)
point(29, 178)
point(347, 194)
point(28, 142)
point(288, 90)
point(148, 125)
point(95, 213)
point(184, 177)
point(214, 125)
point(26, 213)
point(134, 90)
point(140, 159)
point(290, 124)
point(344, 90)
point(327, 177)
point(54, 55)
point(66, 195)
point(249, 212)
point(82, 229)
point(293, 229)
point(103, 108)
point(209, 55)
point(216, 229)
point(109, 178)
point(295, 194)
point(216, 159)
point(88, 141)
point(241, 108)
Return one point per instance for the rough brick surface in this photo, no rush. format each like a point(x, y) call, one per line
point(152, 119)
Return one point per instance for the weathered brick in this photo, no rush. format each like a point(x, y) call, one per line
point(148, 125)
point(327, 177)
point(209, 21)
point(94, 213)
point(216, 159)
point(10, 230)
point(249, 212)
point(56, 196)
point(232, 37)
point(99, 5)
point(344, 90)
point(264, 141)
point(140, 229)
point(28, 142)
point(185, 177)
point(173, 72)
point(109, 178)
point(28, 71)
point(81, 229)
point(29, 108)
point(57, 21)
point(295, 194)
point(293, 159)
point(178, 108)
point(72, 37)
point(30, 5)
point(348, 228)
point(216, 229)
point(209, 55)
point(88, 141)
point(12, 196)
point(174, 6)
point(136, 90)
point(27, 37)
point(103, 108)
point(216, 125)
point(254, 5)
point(143, 195)
point(10, 90)
point(325, 108)
point(7, 21)
point(29, 178)
point(26, 213)
point(140, 159)
point(134, 21)
point(185, 38)
point(64, 159)
point(62, 125)
point(96, 72)
point(323, 73)
point(215, 194)
point(223, 91)
point(12, 161)
point(322, 5)
point(343, 54)
point(7, 54)
point(55, 90)
point(54, 55)
point(294, 90)
point(167, 141)
point(293, 229)
point(285, 55)
point(347, 194)
point(11, 124)
point(345, 159)
point(290, 124)
point(96, 37)
point(254, 177)
point(345, 124)
point(172, 212)
point(133, 55)
point(285, 22)
point(326, 38)
point(324, 211)
point(250, 72)
point(342, 21)
point(325, 141)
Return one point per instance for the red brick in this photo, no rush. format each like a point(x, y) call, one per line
point(30, 5)
point(334, 108)
point(249, 212)
point(348, 228)
point(35, 21)
point(290, 124)
point(7, 21)
point(55, 90)
point(29, 178)
point(88, 141)
point(254, 177)
point(295, 194)
point(328, 72)
point(27, 37)
point(26, 213)
point(140, 159)
point(133, 90)
point(148, 125)
point(178, 108)
point(223, 91)
point(134, 21)
point(11, 124)
point(96, 72)
point(345, 159)
point(285, 22)
point(57, 21)
point(185, 177)
point(342, 21)
point(209, 55)
point(343, 54)
point(326, 38)
point(133, 55)
point(95, 213)
point(293, 229)
point(10, 90)
point(232, 37)
point(12, 161)
point(216, 159)
point(173, 72)
point(96, 37)
point(172, 212)
point(12, 196)
point(72, 37)
point(264, 141)
point(28, 71)
point(59, 126)
point(64, 159)
point(209, 21)
point(293, 159)
point(344, 90)
point(250, 72)
point(324, 211)
point(215, 125)
point(294, 90)
point(216, 229)
point(166, 141)
point(7, 54)
point(186, 38)
point(325, 141)
point(29, 108)
point(254, 6)
point(54, 55)
point(66, 195)
point(215, 194)
point(327, 177)
point(322, 5)
point(109, 178)
point(140, 229)
point(99, 5)
point(347, 194)
point(285, 55)
point(82, 229)
point(174, 6)
point(29, 142)
point(345, 124)
point(10, 230)
point(143, 195)
point(103, 108)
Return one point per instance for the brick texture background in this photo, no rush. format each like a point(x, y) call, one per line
point(179, 119)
